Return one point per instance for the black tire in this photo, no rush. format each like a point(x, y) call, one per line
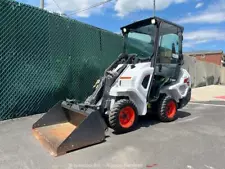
point(163, 104)
point(114, 120)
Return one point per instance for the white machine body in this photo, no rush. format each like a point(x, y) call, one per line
point(129, 84)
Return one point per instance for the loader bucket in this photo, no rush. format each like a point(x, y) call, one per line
point(65, 128)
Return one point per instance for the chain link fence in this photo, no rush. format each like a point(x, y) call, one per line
point(46, 58)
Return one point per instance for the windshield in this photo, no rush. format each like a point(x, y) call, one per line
point(141, 41)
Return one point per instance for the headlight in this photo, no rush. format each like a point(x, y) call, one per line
point(153, 21)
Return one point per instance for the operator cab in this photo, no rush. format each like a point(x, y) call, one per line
point(157, 41)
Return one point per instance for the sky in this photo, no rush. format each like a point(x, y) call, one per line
point(203, 20)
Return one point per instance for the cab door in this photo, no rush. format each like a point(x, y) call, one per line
point(169, 56)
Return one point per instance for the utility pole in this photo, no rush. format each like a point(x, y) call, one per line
point(153, 7)
point(42, 4)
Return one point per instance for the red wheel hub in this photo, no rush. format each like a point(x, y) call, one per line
point(127, 117)
point(171, 109)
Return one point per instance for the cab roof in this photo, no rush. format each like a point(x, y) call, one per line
point(144, 22)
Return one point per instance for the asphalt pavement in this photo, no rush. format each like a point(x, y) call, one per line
point(196, 140)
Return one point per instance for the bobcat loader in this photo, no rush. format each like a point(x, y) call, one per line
point(146, 78)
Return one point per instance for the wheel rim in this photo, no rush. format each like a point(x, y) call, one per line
point(171, 109)
point(127, 117)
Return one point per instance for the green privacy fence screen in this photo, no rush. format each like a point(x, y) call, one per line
point(45, 58)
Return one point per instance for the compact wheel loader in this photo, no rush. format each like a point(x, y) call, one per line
point(146, 78)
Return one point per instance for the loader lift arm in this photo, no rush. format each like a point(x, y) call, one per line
point(102, 89)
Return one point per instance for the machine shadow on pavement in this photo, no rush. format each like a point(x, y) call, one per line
point(152, 120)
point(182, 114)
point(143, 122)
